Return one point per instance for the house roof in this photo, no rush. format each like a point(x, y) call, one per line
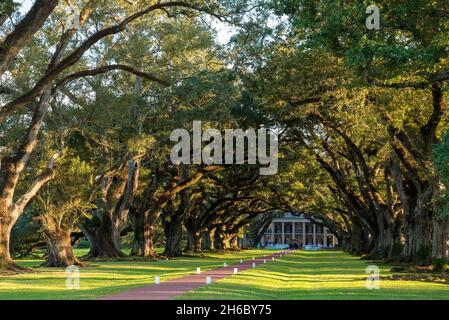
point(289, 216)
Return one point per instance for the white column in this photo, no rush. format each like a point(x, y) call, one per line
point(314, 234)
point(272, 233)
point(283, 233)
point(303, 233)
point(293, 231)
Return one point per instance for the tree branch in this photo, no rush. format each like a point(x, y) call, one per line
point(24, 31)
point(76, 55)
point(46, 175)
point(105, 69)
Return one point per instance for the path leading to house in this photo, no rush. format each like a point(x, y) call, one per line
point(173, 288)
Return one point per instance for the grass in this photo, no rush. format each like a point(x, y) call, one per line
point(301, 275)
point(103, 278)
point(316, 275)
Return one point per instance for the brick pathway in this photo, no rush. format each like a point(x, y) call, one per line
point(170, 289)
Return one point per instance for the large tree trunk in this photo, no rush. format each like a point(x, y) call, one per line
point(148, 246)
point(344, 241)
point(234, 242)
point(417, 230)
point(150, 220)
point(383, 244)
point(194, 241)
point(138, 242)
point(416, 197)
point(173, 235)
point(440, 238)
point(190, 241)
point(360, 242)
point(122, 204)
point(7, 221)
point(117, 194)
point(208, 242)
point(101, 239)
point(222, 240)
point(385, 241)
point(59, 247)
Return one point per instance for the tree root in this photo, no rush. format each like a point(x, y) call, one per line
point(12, 269)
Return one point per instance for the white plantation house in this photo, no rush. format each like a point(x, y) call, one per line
point(297, 231)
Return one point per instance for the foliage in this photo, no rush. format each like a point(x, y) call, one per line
point(440, 157)
point(68, 197)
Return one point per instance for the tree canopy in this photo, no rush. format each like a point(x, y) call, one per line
point(90, 94)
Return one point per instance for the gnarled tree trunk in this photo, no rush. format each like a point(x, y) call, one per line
point(100, 236)
point(359, 242)
point(417, 230)
point(149, 251)
point(104, 229)
point(59, 246)
point(234, 242)
point(173, 235)
point(440, 238)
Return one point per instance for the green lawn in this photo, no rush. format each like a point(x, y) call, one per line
point(316, 275)
point(103, 278)
point(301, 275)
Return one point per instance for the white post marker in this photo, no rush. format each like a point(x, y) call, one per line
point(198, 270)
point(264, 260)
point(157, 280)
point(254, 264)
point(241, 260)
point(236, 270)
point(272, 258)
point(208, 280)
point(225, 264)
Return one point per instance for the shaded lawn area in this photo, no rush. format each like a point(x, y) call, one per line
point(316, 275)
point(103, 278)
